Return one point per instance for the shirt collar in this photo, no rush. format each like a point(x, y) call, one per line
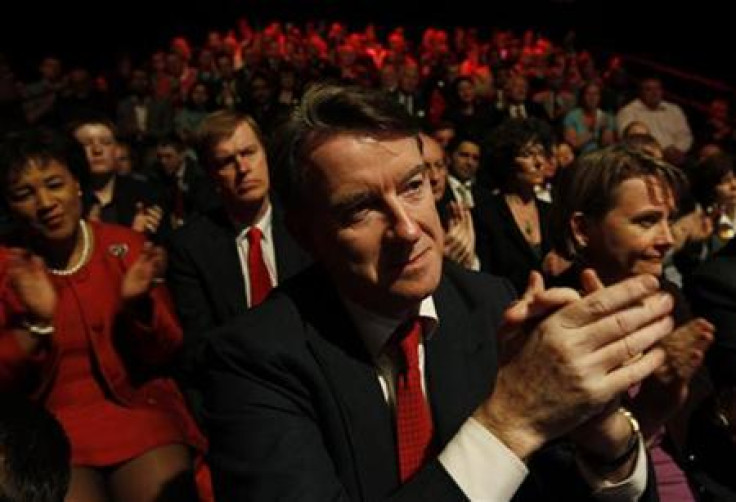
point(263, 224)
point(375, 329)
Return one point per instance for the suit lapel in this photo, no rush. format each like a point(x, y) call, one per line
point(221, 254)
point(448, 364)
point(349, 371)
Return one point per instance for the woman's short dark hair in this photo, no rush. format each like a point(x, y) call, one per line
point(503, 144)
point(41, 145)
point(326, 111)
point(590, 186)
point(707, 174)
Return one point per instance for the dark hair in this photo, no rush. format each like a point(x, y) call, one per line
point(454, 94)
point(172, 140)
point(35, 453)
point(41, 145)
point(590, 186)
point(92, 118)
point(707, 174)
point(460, 138)
point(326, 111)
point(503, 145)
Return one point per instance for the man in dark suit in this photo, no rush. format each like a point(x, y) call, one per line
point(186, 187)
point(711, 289)
point(518, 104)
point(212, 273)
point(122, 200)
point(375, 375)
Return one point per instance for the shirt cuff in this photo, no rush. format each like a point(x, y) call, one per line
point(475, 266)
point(629, 489)
point(481, 465)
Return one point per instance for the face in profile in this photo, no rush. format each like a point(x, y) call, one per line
point(99, 144)
point(634, 235)
point(240, 169)
point(123, 159)
point(434, 159)
point(44, 196)
point(531, 161)
point(372, 221)
point(565, 155)
point(726, 190)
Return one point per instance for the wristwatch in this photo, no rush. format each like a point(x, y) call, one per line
point(604, 465)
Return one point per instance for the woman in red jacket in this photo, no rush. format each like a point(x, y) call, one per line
point(86, 329)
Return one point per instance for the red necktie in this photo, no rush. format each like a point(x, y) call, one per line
point(260, 280)
point(413, 420)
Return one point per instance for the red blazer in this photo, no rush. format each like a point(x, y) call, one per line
point(131, 355)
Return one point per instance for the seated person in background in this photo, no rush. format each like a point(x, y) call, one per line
point(511, 224)
point(714, 185)
point(635, 127)
point(376, 374)
point(227, 260)
point(187, 189)
point(456, 218)
point(712, 292)
point(616, 220)
point(34, 453)
point(122, 200)
point(665, 120)
point(587, 127)
point(463, 153)
point(87, 330)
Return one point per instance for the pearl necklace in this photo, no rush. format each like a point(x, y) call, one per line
point(86, 250)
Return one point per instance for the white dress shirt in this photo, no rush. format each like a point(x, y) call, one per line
point(667, 123)
point(474, 453)
point(265, 225)
point(462, 190)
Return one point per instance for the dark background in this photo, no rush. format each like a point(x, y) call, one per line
point(697, 37)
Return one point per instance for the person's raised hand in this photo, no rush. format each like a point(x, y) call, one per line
point(144, 273)
point(572, 357)
point(31, 283)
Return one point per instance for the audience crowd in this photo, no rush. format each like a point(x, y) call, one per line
point(205, 253)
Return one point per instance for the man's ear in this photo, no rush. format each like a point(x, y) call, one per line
point(580, 229)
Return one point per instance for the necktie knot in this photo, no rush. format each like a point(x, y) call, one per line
point(254, 236)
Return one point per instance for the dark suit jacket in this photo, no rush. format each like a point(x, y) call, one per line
point(712, 293)
point(128, 192)
point(500, 245)
point(199, 194)
point(159, 119)
point(295, 410)
point(711, 290)
point(206, 278)
point(533, 109)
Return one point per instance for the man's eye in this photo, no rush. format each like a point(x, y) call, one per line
point(19, 195)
